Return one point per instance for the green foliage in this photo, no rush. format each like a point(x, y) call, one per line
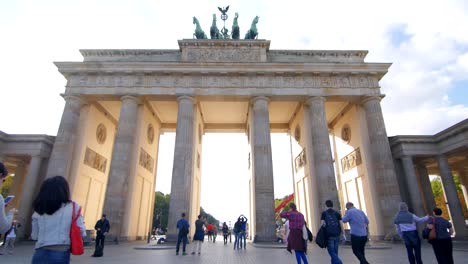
point(438, 191)
point(211, 219)
point(6, 187)
point(161, 209)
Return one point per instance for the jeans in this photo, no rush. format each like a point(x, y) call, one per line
point(100, 240)
point(236, 240)
point(43, 256)
point(443, 250)
point(242, 236)
point(332, 247)
point(413, 243)
point(184, 240)
point(300, 255)
point(357, 244)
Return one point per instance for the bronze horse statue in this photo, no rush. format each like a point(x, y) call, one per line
point(199, 33)
point(252, 33)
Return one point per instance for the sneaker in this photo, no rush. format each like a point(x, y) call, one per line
point(177, 253)
point(198, 253)
point(183, 253)
point(193, 253)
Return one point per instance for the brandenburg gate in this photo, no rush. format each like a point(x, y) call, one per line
point(118, 102)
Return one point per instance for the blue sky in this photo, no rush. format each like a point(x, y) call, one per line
point(426, 87)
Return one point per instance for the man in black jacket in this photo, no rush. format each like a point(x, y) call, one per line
point(102, 227)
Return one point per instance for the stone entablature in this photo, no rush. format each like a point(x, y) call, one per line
point(445, 141)
point(26, 144)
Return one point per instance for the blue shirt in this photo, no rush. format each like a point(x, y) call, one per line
point(182, 222)
point(357, 220)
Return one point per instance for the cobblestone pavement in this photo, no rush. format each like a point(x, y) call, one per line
point(219, 253)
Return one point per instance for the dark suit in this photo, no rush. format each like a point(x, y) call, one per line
point(102, 226)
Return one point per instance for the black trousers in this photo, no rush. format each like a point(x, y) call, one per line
point(357, 244)
point(100, 240)
point(443, 250)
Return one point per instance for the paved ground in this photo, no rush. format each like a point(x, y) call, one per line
point(219, 253)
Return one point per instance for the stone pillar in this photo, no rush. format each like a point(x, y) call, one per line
point(319, 158)
point(183, 168)
point(462, 173)
point(17, 182)
point(382, 176)
point(262, 171)
point(25, 208)
point(121, 172)
point(429, 200)
point(450, 190)
point(415, 202)
point(62, 153)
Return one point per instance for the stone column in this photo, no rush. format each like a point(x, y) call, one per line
point(183, 168)
point(382, 168)
point(429, 200)
point(25, 208)
point(415, 202)
point(262, 170)
point(121, 172)
point(462, 173)
point(17, 182)
point(450, 190)
point(62, 153)
point(319, 157)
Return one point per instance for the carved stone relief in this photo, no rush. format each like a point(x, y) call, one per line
point(94, 160)
point(297, 133)
point(300, 160)
point(146, 161)
point(150, 134)
point(346, 133)
point(101, 133)
point(351, 160)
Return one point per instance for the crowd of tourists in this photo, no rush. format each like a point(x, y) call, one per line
point(58, 228)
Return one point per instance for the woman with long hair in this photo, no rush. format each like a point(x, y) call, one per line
point(5, 219)
point(51, 222)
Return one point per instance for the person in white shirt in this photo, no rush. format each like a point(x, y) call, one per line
point(405, 223)
point(51, 222)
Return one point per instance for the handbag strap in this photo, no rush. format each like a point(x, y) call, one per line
point(75, 215)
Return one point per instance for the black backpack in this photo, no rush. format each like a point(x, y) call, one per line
point(184, 230)
point(237, 227)
point(332, 224)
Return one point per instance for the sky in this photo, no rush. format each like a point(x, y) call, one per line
point(426, 87)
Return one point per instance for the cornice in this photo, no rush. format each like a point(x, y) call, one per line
point(258, 43)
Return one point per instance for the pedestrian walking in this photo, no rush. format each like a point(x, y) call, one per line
point(405, 223)
point(209, 231)
point(52, 220)
point(225, 233)
point(102, 227)
point(183, 227)
point(442, 245)
point(243, 231)
point(199, 235)
point(10, 237)
point(331, 220)
point(237, 230)
point(358, 222)
point(296, 240)
point(215, 232)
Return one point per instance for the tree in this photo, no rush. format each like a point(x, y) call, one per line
point(439, 197)
point(161, 210)
point(6, 187)
point(211, 219)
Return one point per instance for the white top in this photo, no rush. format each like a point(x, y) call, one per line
point(5, 220)
point(54, 229)
point(410, 227)
point(12, 234)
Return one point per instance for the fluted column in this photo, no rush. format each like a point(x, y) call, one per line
point(183, 168)
point(25, 208)
point(121, 172)
point(62, 153)
point(462, 173)
point(17, 182)
point(429, 200)
point(382, 168)
point(262, 170)
point(319, 157)
point(416, 203)
point(450, 190)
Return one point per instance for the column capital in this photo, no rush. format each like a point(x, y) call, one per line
point(131, 97)
point(74, 98)
point(313, 99)
point(370, 98)
point(186, 97)
point(259, 98)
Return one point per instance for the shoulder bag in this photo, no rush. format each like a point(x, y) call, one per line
point(76, 240)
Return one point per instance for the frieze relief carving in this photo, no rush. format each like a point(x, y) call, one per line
point(228, 81)
point(94, 160)
point(146, 161)
point(223, 54)
point(300, 160)
point(351, 160)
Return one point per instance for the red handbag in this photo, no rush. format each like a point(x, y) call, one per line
point(76, 240)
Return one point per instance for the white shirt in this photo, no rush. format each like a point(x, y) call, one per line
point(5, 220)
point(12, 234)
point(410, 227)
